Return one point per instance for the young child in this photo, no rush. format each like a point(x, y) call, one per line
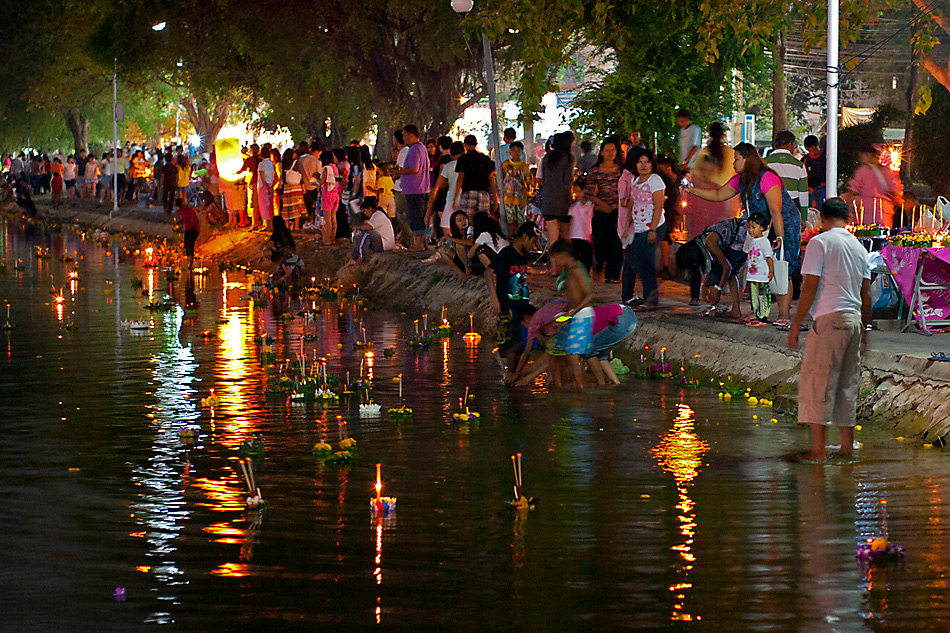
point(518, 184)
point(581, 213)
point(384, 185)
point(759, 269)
point(56, 187)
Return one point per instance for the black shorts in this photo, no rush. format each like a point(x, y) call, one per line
point(563, 219)
point(190, 238)
point(416, 213)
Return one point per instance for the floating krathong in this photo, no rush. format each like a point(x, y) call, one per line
point(211, 401)
point(381, 505)
point(464, 414)
point(879, 550)
point(7, 326)
point(401, 411)
point(520, 501)
point(472, 337)
point(255, 501)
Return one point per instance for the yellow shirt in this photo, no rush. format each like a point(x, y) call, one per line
point(726, 170)
point(385, 184)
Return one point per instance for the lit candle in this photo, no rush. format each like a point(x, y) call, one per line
point(425, 321)
point(400, 387)
point(379, 483)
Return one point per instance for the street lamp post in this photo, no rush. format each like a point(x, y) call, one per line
point(115, 136)
point(831, 139)
point(462, 7)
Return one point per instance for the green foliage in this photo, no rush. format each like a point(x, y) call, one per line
point(661, 67)
point(931, 151)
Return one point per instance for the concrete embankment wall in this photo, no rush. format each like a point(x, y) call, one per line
point(901, 388)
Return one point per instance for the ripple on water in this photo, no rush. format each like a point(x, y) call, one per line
point(657, 506)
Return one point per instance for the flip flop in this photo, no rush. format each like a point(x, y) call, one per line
point(756, 324)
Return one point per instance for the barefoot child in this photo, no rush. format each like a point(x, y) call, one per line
point(759, 270)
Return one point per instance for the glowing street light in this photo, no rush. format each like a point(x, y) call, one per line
point(158, 27)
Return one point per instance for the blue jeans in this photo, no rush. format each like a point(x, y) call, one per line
point(640, 259)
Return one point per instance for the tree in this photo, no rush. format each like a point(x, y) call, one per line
point(50, 77)
point(925, 40)
point(931, 153)
point(201, 53)
point(764, 25)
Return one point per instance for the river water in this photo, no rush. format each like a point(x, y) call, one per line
point(659, 508)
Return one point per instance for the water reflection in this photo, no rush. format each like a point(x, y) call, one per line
point(161, 507)
point(680, 453)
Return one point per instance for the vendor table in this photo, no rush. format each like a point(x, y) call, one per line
point(923, 277)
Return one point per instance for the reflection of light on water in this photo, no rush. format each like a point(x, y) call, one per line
point(150, 281)
point(378, 573)
point(680, 453)
point(233, 381)
point(161, 506)
point(231, 570)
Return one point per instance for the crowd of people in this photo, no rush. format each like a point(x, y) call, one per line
point(619, 209)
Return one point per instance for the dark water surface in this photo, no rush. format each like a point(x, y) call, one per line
point(660, 508)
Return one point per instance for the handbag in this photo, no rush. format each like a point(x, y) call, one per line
point(779, 283)
point(292, 176)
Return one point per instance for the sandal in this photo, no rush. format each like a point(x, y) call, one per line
point(782, 324)
point(712, 312)
point(756, 323)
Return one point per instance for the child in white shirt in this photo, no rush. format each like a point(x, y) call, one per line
point(759, 269)
point(581, 214)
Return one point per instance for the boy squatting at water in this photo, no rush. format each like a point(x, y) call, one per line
point(836, 289)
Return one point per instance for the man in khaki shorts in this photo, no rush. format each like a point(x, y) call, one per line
point(836, 288)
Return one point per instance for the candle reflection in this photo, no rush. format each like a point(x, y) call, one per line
point(680, 453)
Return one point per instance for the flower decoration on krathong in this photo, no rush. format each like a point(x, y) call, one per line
point(915, 240)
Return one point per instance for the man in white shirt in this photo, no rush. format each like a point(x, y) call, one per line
point(691, 139)
point(405, 233)
point(375, 235)
point(310, 168)
point(837, 291)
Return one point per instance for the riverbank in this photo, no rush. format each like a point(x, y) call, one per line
point(902, 388)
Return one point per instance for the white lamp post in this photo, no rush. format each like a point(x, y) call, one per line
point(115, 136)
point(462, 7)
point(831, 139)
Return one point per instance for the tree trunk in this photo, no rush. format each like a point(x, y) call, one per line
point(78, 125)
point(779, 122)
point(206, 120)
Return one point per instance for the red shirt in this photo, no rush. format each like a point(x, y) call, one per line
point(189, 218)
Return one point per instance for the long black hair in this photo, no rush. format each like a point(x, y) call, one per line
point(484, 223)
point(715, 144)
point(618, 158)
point(561, 147)
point(454, 230)
point(281, 236)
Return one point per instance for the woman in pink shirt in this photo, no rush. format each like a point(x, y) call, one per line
point(873, 191)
